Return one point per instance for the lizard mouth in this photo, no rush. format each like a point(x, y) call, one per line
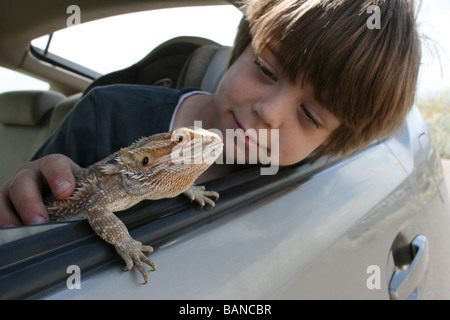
point(202, 148)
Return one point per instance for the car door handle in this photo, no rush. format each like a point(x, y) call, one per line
point(404, 282)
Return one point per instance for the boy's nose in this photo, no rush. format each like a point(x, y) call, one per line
point(271, 112)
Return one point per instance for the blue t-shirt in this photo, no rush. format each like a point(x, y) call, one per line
point(109, 118)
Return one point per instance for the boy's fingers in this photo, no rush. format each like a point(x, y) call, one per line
point(24, 190)
point(25, 195)
point(7, 217)
point(59, 172)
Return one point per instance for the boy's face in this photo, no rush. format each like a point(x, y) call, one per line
point(254, 94)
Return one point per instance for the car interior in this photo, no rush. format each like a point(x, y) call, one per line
point(28, 118)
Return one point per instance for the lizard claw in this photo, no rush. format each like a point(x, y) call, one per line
point(200, 195)
point(131, 253)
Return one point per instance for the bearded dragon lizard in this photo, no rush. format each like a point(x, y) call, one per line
point(161, 166)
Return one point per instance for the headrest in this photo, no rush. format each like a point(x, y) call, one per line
point(161, 67)
point(27, 107)
point(216, 69)
point(205, 68)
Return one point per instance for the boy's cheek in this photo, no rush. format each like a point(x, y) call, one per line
point(232, 95)
point(290, 152)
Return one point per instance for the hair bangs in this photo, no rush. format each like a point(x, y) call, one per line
point(318, 42)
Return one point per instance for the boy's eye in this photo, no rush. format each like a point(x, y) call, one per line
point(264, 69)
point(310, 117)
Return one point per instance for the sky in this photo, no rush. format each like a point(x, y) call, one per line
point(434, 22)
point(131, 46)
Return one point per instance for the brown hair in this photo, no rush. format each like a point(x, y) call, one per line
point(365, 77)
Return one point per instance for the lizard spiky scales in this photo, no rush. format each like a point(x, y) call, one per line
point(161, 166)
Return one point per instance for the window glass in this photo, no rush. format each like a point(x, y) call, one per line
point(11, 81)
point(117, 42)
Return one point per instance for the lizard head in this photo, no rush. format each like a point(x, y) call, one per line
point(182, 155)
point(195, 146)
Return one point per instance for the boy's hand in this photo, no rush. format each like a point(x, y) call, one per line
point(22, 193)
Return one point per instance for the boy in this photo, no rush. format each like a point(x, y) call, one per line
point(312, 71)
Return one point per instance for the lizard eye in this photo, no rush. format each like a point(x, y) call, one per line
point(145, 161)
point(180, 136)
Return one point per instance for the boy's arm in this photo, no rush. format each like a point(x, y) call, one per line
point(104, 121)
point(21, 197)
point(75, 137)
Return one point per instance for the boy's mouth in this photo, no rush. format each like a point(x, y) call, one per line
point(249, 138)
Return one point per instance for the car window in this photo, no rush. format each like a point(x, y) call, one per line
point(11, 81)
point(117, 42)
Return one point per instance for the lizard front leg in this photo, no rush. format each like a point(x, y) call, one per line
point(200, 195)
point(111, 229)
